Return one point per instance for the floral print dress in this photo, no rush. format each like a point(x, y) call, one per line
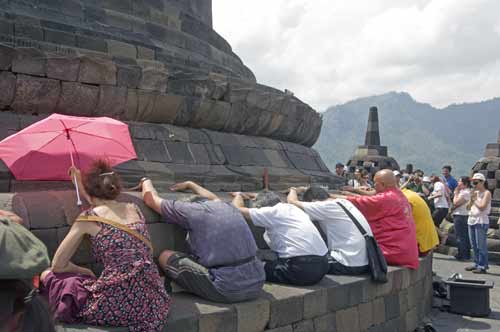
point(129, 291)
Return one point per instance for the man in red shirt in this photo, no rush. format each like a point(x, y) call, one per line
point(390, 217)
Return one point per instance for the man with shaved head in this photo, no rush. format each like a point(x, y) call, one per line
point(390, 217)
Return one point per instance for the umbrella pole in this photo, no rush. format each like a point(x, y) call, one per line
point(78, 201)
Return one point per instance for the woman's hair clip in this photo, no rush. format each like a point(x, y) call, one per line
point(107, 173)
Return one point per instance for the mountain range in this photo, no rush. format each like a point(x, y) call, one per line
point(414, 132)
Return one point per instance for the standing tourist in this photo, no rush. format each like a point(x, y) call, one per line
point(129, 292)
point(440, 197)
point(461, 197)
point(448, 178)
point(355, 182)
point(480, 207)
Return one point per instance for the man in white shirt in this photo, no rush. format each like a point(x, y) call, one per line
point(291, 234)
point(346, 244)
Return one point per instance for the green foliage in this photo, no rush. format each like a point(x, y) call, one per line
point(414, 132)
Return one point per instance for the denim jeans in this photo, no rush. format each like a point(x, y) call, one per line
point(477, 234)
point(462, 232)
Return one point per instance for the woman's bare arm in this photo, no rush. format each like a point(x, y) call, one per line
point(68, 247)
point(482, 203)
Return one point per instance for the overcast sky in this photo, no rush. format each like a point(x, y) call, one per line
point(331, 51)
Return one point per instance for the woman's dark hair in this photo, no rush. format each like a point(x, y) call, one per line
point(315, 194)
point(18, 297)
point(465, 180)
point(101, 181)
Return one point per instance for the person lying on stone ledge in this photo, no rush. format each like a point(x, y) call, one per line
point(302, 253)
point(346, 243)
point(222, 265)
point(129, 292)
point(390, 217)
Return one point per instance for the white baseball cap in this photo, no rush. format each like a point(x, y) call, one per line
point(478, 176)
point(426, 179)
point(396, 173)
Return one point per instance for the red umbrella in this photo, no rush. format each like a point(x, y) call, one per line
point(46, 149)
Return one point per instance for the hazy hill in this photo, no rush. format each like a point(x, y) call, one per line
point(414, 132)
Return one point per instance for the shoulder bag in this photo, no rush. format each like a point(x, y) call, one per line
point(376, 259)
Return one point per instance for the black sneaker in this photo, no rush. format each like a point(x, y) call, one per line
point(470, 268)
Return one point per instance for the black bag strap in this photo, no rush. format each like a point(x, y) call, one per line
point(354, 220)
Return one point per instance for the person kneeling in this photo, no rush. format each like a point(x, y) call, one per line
point(346, 244)
point(292, 235)
point(222, 265)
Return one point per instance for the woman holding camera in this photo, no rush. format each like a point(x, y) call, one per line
point(479, 222)
point(461, 197)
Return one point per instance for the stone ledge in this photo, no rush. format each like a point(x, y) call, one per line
point(397, 306)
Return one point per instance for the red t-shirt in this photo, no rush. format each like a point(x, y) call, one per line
point(390, 218)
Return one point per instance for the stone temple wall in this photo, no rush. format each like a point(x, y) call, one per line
point(195, 110)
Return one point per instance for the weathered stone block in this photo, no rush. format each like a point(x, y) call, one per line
point(7, 88)
point(365, 315)
point(325, 323)
point(77, 99)
point(6, 56)
point(119, 48)
point(411, 319)
point(166, 107)
point(63, 68)
point(128, 76)
point(97, 70)
point(378, 311)
point(90, 43)
point(28, 60)
point(151, 150)
point(145, 53)
point(303, 326)
point(112, 101)
point(36, 94)
point(145, 104)
point(179, 152)
point(391, 306)
point(199, 153)
point(49, 238)
point(338, 298)
point(287, 328)
point(315, 303)
point(252, 316)
point(216, 317)
point(347, 320)
point(211, 114)
point(28, 31)
point(60, 37)
point(285, 307)
point(154, 76)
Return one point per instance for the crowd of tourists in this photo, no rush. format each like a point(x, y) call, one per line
point(466, 202)
point(222, 264)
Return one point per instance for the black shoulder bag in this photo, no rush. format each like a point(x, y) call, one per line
point(376, 259)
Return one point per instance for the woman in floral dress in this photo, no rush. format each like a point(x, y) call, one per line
point(129, 291)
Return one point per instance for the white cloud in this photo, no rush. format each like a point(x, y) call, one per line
point(330, 51)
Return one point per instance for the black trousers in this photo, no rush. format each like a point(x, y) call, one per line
point(300, 270)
